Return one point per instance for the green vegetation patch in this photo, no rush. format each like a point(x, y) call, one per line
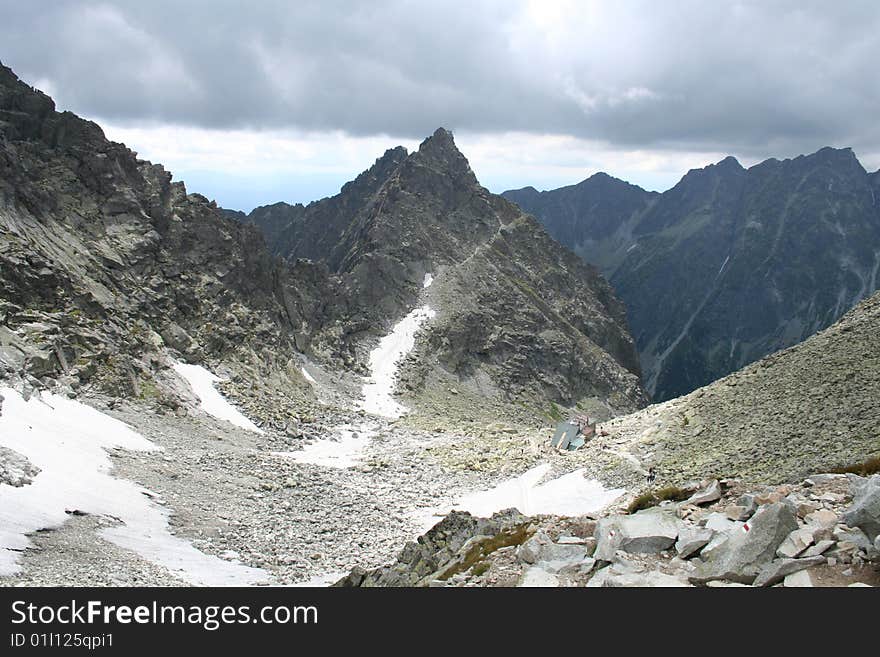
point(654, 497)
point(863, 469)
point(477, 554)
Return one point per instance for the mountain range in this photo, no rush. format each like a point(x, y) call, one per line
point(729, 265)
point(105, 263)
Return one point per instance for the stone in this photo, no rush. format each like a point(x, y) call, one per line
point(853, 536)
point(535, 577)
point(691, 540)
point(554, 557)
point(822, 518)
point(712, 493)
point(615, 576)
point(800, 579)
point(748, 501)
point(864, 512)
point(570, 540)
point(748, 548)
point(649, 532)
point(795, 543)
point(806, 508)
point(530, 550)
point(719, 522)
point(737, 512)
point(819, 548)
point(775, 571)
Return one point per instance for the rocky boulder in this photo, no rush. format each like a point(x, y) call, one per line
point(648, 532)
point(865, 510)
point(748, 548)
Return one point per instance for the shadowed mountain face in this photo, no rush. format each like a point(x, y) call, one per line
point(516, 314)
point(729, 265)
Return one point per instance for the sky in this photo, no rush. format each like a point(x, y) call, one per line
point(253, 103)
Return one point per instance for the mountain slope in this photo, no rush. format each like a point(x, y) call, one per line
point(730, 264)
point(517, 317)
point(105, 263)
point(802, 410)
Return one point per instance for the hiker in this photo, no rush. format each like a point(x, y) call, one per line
point(652, 475)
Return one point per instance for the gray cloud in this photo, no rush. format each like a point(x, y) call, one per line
point(745, 77)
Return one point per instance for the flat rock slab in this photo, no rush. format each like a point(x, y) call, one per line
point(535, 577)
point(777, 570)
point(800, 579)
point(614, 577)
point(712, 493)
point(691, 540)
point(646, 532)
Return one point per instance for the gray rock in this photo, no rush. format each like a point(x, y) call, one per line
point(711, 493)
point(748, 502)
point(571, 540)
point(530, 550)
point(864, 512)
point(615, 576)
point(775, 571)
point(719, 522)
point(691, 540)
point(554, 558)
point(737, 512)
point(649, 531)
point(748, 548)
point(819, 548)
point(800, 579)
point(536, 577)
point(855, 536)
point(795, 543)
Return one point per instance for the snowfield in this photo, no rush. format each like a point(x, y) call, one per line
point(212, 402)
point(68, 441)
point(571, 494)
point(343, 452)
point(384, 360)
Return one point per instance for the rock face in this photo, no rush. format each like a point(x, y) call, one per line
point(453, 545)
point(104, 263)
point(729, 265)
point(517, 315)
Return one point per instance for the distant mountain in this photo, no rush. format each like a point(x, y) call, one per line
point(729, 265)
point(517, 314)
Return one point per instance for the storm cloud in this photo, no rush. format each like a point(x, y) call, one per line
point(736, 76)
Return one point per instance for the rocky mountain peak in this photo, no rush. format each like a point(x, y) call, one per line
point(439, 152)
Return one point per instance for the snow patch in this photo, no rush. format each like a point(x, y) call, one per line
point(569, 495)
point(68, 440)
point(429, 278)
point(632, 247)
point(212, 402)
point(384, 359)
point(343, 452)
point(308, 377)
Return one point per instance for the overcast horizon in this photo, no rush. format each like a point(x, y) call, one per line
point(287, 102)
